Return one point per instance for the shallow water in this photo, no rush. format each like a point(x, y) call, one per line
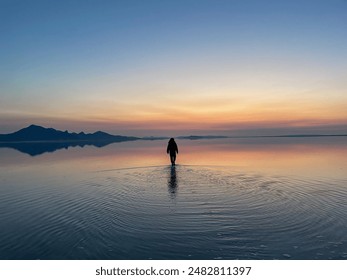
point(226, 199)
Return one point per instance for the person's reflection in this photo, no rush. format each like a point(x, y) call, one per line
point(172, 183)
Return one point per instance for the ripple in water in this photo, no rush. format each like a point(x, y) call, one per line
point(186, 212)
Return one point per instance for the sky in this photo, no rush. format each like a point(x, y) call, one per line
point(174, 67)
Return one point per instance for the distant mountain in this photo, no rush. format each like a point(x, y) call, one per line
point(35, 140)
point(41, 134)
point(197, 137)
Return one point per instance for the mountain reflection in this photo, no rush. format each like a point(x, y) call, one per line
point(172, 183)
point(39, 148)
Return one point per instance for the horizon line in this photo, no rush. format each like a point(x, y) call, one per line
point(187, 137)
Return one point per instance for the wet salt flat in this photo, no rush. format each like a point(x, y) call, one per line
point(226, 199)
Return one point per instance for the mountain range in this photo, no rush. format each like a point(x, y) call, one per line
point(41, 134)
point(35, 133)
point(36, 140)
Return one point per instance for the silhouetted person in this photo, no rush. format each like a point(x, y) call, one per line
point(172, 150)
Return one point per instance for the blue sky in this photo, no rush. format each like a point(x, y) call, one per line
point(147, 67)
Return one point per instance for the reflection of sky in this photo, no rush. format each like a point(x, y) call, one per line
point(127, 66)
point(308, 156)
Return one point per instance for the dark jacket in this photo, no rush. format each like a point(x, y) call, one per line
point(172, 147)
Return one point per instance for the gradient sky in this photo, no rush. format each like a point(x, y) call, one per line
point(174, 67)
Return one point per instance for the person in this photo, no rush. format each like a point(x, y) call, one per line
point(172, 150)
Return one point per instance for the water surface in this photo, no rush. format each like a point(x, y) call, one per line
point(278, 198)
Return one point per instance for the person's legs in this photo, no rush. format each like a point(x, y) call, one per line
point(173, 158)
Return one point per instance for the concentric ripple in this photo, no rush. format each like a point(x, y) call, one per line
point(182, 212)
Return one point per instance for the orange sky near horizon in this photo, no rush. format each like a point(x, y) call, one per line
point(207, 114)
point(191, 113)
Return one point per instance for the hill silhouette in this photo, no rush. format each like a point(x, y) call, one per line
point(36, 140)
point(39, 133)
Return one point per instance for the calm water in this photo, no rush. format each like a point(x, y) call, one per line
point(283, 198)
